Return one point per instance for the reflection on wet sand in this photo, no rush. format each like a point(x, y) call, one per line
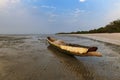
point(27, 58)
point(73, 66)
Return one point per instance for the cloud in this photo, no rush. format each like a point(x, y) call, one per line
point(49, 7)
point(82, 0)
point(35, 19)
point(14, 1)
point(77, 12)
point(53, 15)
point(20, 19)
point(3, 3)
point(8, 3)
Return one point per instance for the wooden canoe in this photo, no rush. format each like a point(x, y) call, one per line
point(73, 49)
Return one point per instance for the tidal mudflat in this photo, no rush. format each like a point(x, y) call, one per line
point(29, 57)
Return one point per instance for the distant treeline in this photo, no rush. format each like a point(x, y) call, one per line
point(113, 27)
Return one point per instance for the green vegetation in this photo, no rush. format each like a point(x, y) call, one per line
point(113, 27)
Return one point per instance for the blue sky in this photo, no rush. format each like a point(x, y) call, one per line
point(52, 16)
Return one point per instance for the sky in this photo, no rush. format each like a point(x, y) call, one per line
point(53, 16)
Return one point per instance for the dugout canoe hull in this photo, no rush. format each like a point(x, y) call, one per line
point(73, 49)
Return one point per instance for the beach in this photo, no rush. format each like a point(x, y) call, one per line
point(29, 57)
point(113, 38)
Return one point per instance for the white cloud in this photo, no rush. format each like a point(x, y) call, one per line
point(49, 7)
point(14, 1)
point(16, 18)
point(3, 3)
point(53, 15)
point(82, 0)
point(6, 3)
point(77, 12)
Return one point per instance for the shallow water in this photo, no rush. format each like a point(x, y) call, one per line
point(35, 60)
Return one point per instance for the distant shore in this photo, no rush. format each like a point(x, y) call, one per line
point(113, 38)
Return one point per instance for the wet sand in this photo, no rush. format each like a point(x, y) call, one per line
point(29, 57)
point(113, 38)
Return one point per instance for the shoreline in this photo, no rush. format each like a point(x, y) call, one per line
point(112, 38)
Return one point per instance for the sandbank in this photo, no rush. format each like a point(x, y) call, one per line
point(113, 38)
